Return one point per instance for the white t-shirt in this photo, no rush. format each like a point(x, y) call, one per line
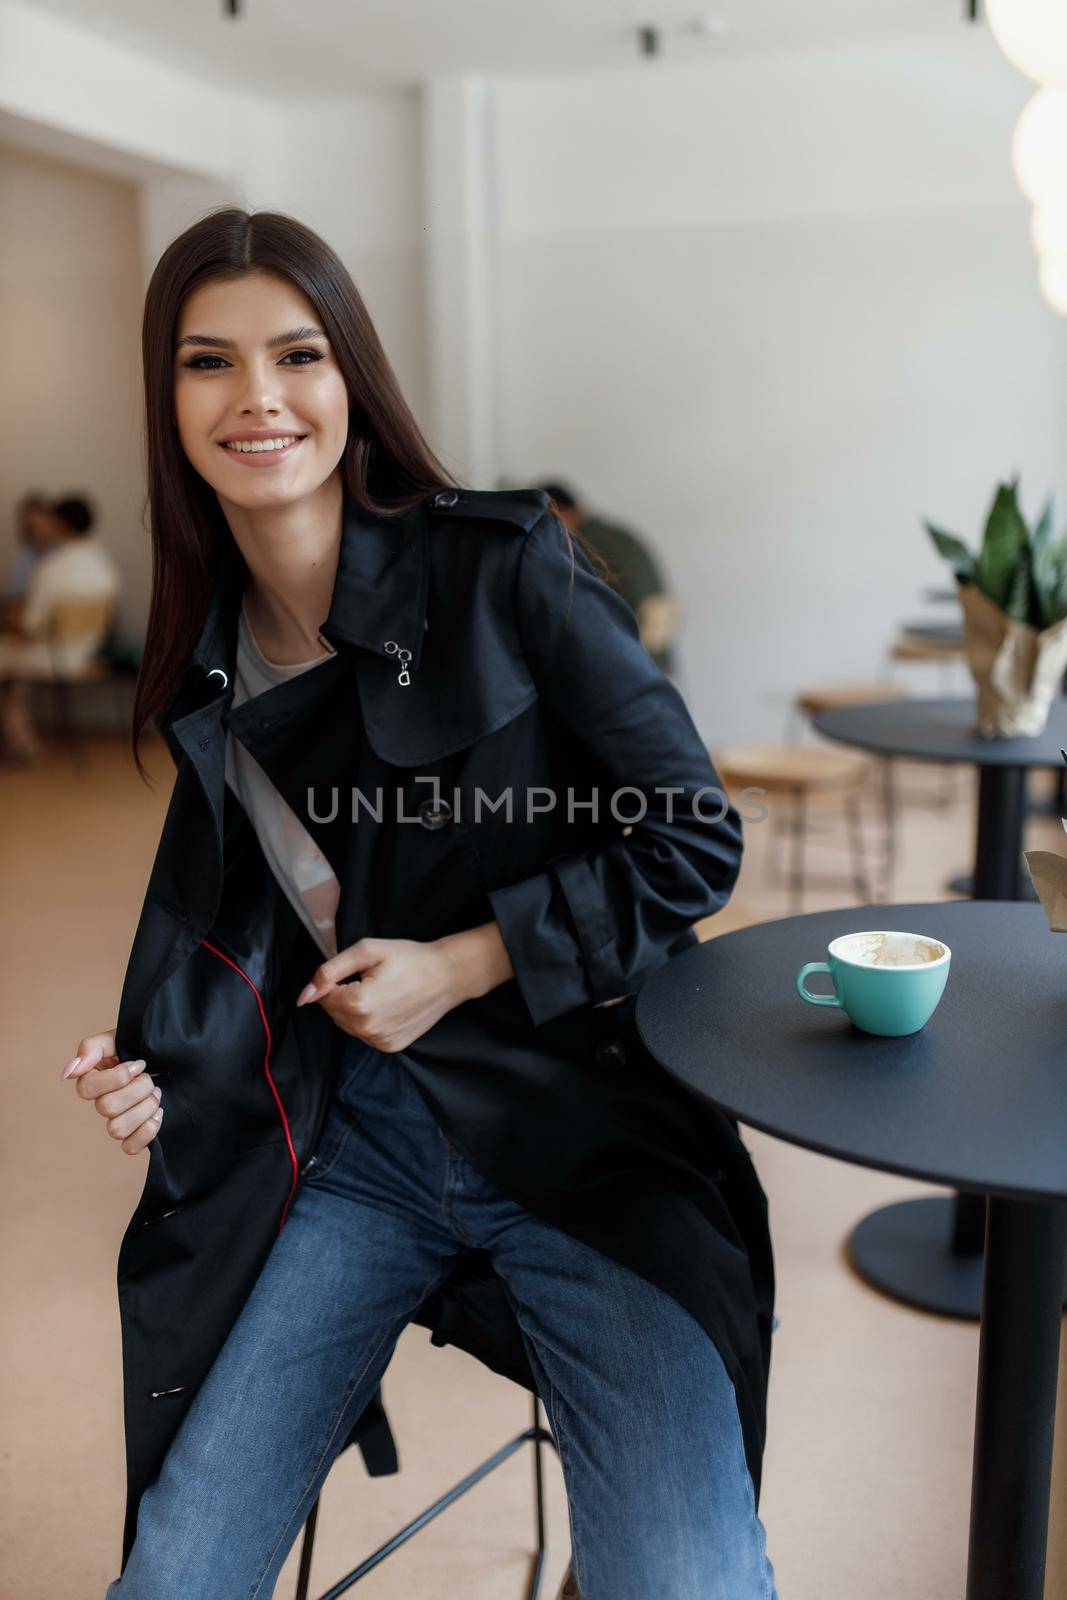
point(78, 569)
point(292, 854)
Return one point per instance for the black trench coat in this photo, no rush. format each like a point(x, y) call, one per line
point(468, 657)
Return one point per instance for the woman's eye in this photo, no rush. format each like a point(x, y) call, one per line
point(200, 363)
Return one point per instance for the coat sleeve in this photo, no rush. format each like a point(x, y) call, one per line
point(584, 928)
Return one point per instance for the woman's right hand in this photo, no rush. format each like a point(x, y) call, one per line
point(122, 1091)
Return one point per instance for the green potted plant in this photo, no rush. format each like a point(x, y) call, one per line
point(1014, 598)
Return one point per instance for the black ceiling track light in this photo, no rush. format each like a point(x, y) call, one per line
point(972, 10)
point(232, 8)
point(648, 40)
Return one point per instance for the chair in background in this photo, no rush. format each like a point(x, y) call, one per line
point(799, 773)
point(943, 648)
point(828, 697)
point(70, 623)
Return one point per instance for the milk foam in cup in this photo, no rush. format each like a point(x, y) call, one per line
point(888, 982)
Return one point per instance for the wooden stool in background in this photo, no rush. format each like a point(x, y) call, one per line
point(942, 653)
point(799, 772)
point(828, 697)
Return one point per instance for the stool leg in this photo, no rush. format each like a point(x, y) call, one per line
point(889, 821)
point(306, 1548)
point(537, 1569)
point(799, 834)
point(857, 849)
point(69, 732)
point(118, 700)
point(773, 868)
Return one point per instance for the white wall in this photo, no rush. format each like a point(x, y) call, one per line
point(89, 128)
point(774, 312)
point(70, 275)
point(351, 170)
point(134, 108)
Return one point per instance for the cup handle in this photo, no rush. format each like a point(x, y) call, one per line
point(816, 999)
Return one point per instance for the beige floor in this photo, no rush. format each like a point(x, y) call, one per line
point(868, 1462)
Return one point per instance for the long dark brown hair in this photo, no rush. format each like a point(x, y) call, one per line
point(387, 465)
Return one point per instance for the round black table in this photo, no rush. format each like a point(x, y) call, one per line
point(977, 1099)
point(929, 1253)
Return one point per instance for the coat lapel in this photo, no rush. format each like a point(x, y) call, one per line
point(383, 579)
point(378, 604)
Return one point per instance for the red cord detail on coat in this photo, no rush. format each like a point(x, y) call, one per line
point(266, 1069)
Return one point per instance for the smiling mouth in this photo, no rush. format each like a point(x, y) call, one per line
point(250, 447)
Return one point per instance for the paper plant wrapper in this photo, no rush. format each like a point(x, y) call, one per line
point(1018, 671)
point(1048, 874)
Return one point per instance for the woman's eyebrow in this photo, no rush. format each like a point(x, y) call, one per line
point(294, 336)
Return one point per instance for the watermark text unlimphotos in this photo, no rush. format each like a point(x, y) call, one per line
point(625, 805)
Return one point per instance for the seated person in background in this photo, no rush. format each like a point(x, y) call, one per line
point(34, 535)
point(633, 572)
point(74, 568)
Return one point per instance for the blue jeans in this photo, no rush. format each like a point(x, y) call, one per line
point(638, 1399)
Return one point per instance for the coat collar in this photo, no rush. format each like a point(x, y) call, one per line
point(379, 595)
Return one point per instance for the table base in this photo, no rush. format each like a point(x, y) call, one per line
point(1018, 1362)
point(906, 1251)
point(1019, 1291)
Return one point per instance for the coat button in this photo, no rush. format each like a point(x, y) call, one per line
point(447, 497)
point(610, 1053)
point(435, 813)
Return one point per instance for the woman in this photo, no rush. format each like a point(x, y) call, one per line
point(74, 574)
point(33, 535)
point(399, 886)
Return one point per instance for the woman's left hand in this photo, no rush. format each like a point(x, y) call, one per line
point(406, 985)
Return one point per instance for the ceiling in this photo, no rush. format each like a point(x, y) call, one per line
point(333, 46)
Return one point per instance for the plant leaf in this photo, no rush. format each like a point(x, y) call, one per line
point(1017, 606)
point(954, 551)
point(1042, 533)
point(1006, 540)
point(1050, 582)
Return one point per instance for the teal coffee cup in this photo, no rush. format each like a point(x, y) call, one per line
point(887, 982)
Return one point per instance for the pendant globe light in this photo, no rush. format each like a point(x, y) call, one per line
point(1039, 148)
point(1048, 228)
point(1033, 36)
point(1053, 277)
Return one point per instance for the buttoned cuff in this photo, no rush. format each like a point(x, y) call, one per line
point(542, 942)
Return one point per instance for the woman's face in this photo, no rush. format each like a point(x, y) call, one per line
point(252, 364)
point(35, 526)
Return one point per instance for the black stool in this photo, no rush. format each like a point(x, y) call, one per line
point(535, 1434)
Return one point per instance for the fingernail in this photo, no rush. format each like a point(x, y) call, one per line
point(69, 1068)
point(136, 1067)
point(158, 1117)
point(306, 993)
point(158, 1092)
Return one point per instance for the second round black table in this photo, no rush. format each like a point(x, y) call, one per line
point(928, 1253)
point(944, 730)
point(977, 1099)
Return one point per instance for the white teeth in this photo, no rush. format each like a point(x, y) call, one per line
point(250, 446)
